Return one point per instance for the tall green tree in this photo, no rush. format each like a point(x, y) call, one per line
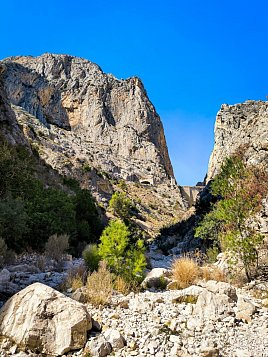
point(232, 222)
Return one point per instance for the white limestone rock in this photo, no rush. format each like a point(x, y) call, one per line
point(210, 306)
point(115, 338)
point(40, 318)
point(219, 287)
point(245, 309)
point(156, 277)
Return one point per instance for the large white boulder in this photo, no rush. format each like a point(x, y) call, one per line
point(41, 319)
point(210, 306)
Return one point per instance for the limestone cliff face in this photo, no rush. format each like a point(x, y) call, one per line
point(238, 125)
point(77, 110)
point(8, 123)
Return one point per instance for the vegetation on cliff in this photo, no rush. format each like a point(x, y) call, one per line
point(232, 224)
point(31, 210)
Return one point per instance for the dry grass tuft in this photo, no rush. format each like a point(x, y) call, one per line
point(212, 273)
point(100, 286)
point(76, 277)
point(122, 286)
point(185, 272)
point(76, 282)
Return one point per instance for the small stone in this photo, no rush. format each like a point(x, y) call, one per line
point(13, 349)
point(243, 353)
point(175, 339)
point(99, 347)
point(96, 325)
point(114, 337)
point(132, 345)
point(209, 352)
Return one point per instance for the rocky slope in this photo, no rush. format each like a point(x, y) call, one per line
point(210, 319)
point(244, 124)
point(106, 122)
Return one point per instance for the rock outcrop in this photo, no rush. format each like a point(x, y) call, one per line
point(238, 125)
point(70, 107)
point(8, 122)
point(41, 319)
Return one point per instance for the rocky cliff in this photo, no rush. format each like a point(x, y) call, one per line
point(88, 125)
point(238, 125)
point(242, 125)
point(88, 115)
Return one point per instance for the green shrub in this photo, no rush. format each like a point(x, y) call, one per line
point(212, 254)
point(32, 210)
point(232, 221)
point(91, 257)
point(124, 259)
point(13, 222)
point(122, 184)
point(121, 205)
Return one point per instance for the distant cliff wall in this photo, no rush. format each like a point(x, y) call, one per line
point(241, 125)
point(108, 123)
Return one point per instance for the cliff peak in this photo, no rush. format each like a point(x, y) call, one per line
point(109, 123)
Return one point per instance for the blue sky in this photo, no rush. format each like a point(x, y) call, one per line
point(192, 56)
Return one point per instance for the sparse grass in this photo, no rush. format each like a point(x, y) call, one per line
point(100, 286)
point(212, 273)
point(76, 282)
point(56, 246)
point(187, 299)
point(122, 286)
point(76, 278)
point(185, 272)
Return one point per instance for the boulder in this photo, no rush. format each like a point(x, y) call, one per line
point(114, 337)
point(4, 276)
point(99, 347)
point(244, 309)
point(80, 295)
point(219, 287)
point(7, 287)
point(41, 319)
point(25, 268)
point(156, 278)
point(194, 290)
point(210, 306)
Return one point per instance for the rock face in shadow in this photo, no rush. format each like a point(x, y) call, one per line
point(111, 123)
point(43, 320)
point(238, 125)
